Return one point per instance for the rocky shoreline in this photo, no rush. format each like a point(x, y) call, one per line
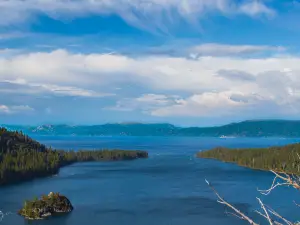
point(46, 206)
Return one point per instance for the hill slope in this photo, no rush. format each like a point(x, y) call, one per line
point(22, 158)
point(277, 158)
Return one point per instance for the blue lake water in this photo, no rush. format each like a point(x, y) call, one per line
point(168, 188)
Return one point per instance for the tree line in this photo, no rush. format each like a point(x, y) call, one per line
point(279, 158)
point(282, 161)
point(22, 158)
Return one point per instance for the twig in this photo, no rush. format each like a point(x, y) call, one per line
point(222, 201)
point(261, 214)
point(2, 215)
point(279, 216)
point(289, 180)
point(266, 212)
point(297, 204)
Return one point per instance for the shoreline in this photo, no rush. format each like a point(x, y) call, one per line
point(67, 158)
point(246, 167)
point(280, 159)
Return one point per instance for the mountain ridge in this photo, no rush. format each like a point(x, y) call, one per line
point(247, 128)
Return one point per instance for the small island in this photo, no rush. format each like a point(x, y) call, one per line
point(278, 158)
point(24, 159)
point(46, 206)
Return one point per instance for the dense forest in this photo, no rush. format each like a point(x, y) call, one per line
point(281, 158)
point(254, 128)
point(22, 158)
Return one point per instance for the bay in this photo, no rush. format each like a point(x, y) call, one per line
point(167, 188)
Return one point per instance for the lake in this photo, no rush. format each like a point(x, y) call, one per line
point(168, 188)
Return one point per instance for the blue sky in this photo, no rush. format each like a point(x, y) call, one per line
point(187, 62)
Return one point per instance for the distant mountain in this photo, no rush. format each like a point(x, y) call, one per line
point(251, 128)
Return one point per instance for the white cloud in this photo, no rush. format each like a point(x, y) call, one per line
point(59, 90)
point(71, 91)
point(46, 46)
point(214, 104)
point(212, 49)
point(146, 103)
point(5, 109)
point(213, 83)
point(153, 99)
point(208, 103)
point(136, 12)
point(254, 8)
point(236, 75)
point(65, 69)
point(217, 104)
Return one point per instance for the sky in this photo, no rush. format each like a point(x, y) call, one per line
point(186, 62)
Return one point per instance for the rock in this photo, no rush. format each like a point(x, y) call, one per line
point(46, 206)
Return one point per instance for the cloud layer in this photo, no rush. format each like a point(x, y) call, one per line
point(213, 49)
point(4, 109)
point(135, 12)
point(208, 85)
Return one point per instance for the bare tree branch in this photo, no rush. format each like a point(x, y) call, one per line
point(222, 201)
point(297, 204)
point(263, 215)
point(234, 214)
point(287, 180)
point(2, 215)
point(266, 212)
point(279, 216)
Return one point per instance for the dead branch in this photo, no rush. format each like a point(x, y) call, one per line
point(279, 216)
point(2, 215)
point(297, 204)
point(288, 180)
point(222, 201)
point(261, 214)
point(268, 211)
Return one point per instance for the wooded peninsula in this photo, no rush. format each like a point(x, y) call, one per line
point(24, 159)
point(279, 158)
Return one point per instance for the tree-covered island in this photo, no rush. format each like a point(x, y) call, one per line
point(280, 158)
point(24, 159)
point(47, 205)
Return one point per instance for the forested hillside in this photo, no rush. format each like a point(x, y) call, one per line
point(22, 158)
point(281, 158)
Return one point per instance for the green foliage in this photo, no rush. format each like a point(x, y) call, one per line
point(22, 158)
point(285, 158)
point(46, 206)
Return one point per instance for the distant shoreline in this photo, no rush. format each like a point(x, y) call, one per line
point(251, 128)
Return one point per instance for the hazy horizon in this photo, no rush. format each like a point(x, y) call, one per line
point(146, 123)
